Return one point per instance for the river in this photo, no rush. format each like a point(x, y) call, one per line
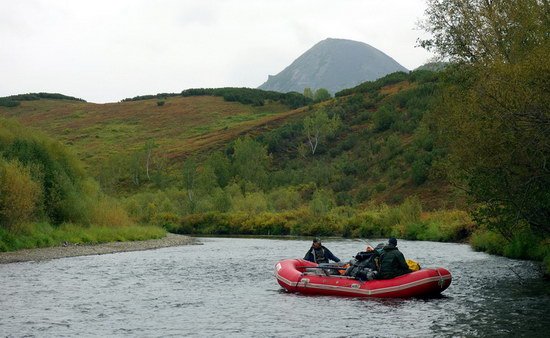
point(226, 287)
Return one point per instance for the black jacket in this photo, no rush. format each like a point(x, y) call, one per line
point(363, 262)
point(392, 263)
point(312, 257)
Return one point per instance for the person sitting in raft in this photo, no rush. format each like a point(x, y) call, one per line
point(366, 263)
point(319, 254)
point(392, 261)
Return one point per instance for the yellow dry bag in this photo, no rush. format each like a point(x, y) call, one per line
point(414, 266)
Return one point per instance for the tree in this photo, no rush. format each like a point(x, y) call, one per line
point(486, 31)
point(494, 116)
point(308, 93)
point(321, 94)
point(318, 126)
point(148, 148)
point(190, 180)
point(221, 166)
point(250, 160)
point(19, 194)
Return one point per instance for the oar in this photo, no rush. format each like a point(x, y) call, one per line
point(321, 267)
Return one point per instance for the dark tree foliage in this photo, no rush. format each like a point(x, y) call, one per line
point(159, 96)
point(256, 97)
point(373, 86)
point(38, 96)
point(58, 173)
point(494, 115)
point(6, 102)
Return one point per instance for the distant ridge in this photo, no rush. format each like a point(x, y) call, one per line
point(334, 64)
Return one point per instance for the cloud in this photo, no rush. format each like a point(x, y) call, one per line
point(107, 50)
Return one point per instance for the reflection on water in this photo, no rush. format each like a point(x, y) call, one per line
point(226, 287)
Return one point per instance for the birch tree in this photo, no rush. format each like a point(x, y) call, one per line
point(318, 126)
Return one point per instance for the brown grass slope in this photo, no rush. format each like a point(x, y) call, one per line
point(181, 126)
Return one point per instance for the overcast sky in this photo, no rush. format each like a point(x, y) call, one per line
point(104, 51)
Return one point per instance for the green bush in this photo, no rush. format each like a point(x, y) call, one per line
point(488, 241)
point(7, 102)
point(419, 172)
point(38, 235)
point(19, 194)
point(384, 118)
point(284, 198)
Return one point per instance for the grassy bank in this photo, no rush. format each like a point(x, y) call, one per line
point(407, 221)
point(404, 221)
point(40, 235)
point(524, 245)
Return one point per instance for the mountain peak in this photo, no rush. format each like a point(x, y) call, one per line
point(334, 64)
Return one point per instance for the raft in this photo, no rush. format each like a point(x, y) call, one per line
point(298, 275)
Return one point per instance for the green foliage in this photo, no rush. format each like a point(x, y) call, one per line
point(373, 86)
point(485, 31)
point(384, 118)
point(494, 113)
point(14, 100)
point(321, 94)
point(19, 194)
point(284, 198)
point(161, 103)
point(42, 180)
point(319, 126)
point(251, 96)
point(308, 93)
point(159, 97)
point(157, 207)
point(7, 102)
point(251, 161)
point(321, 202)
point(221, 166)
point(419, 172)
point(60, 175)
point(44, 235)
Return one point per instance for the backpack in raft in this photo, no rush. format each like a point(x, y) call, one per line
point(413, 265)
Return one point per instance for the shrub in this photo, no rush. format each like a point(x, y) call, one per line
point(284, 198)
point(19, 194)
point(488, 241)
point(419, 172)
point(107, 211)
point(7, 102)
point(321, 202)
point(251, 203)
point(384, 118)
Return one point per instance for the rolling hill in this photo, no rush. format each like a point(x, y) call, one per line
point(181, 126)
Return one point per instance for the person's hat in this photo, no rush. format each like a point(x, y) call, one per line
point(392, 241)
point(316, 240)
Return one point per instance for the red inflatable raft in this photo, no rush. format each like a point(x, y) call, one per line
point(297, 275)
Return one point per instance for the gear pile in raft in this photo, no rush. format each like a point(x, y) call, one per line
point(379, 272)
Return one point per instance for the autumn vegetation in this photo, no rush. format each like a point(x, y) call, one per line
point(457, 154)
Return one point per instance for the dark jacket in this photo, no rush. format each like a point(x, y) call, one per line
point(363, 262)
point(312, 256)
point(392, 263)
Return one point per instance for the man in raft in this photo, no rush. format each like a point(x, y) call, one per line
point(319, 254)
point(392, 261)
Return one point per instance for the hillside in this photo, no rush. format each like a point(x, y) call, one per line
point(333, 64)
point(181, 126)
point(380, 153)
point(200, 164)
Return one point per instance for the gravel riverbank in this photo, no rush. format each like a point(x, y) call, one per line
point(71, 250)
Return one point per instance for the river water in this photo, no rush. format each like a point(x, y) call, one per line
point(226, 287)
